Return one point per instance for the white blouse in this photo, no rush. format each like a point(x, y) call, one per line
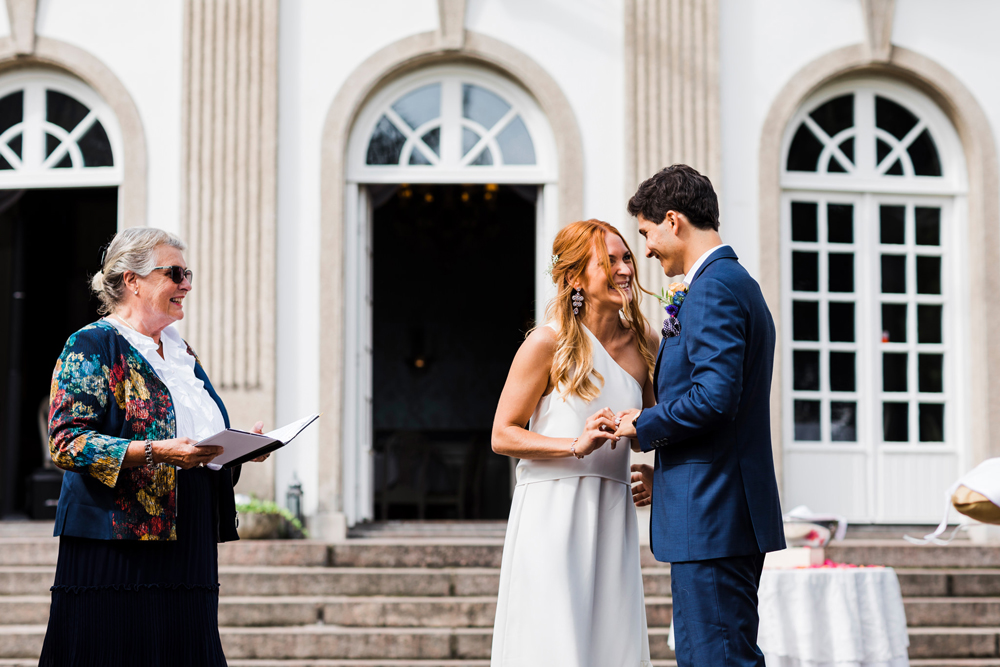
point(198, 415)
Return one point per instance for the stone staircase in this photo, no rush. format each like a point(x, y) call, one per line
point(430, 601)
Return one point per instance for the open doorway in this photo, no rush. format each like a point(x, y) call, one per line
point(453, 296)
point(50, 244)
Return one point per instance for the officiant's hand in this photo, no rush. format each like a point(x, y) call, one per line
point(599, 429)
point(642, 493)
point(182, 453)
point(623, 423)
point(259, 428)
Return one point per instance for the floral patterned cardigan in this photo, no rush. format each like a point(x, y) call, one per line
point(104, 396)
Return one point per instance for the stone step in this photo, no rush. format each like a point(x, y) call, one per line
point(897, 553)
point(937, 643)
point(952, 612)
point(929, 582)
point(325, 641)
point(325, 662)
point(350, 581)
point(429, 612)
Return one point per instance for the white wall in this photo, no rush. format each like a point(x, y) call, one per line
point(763, 44)
point(580, 43)
point(321, 43)
point(142, 44)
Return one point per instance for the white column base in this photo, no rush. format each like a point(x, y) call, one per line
point(328, 526)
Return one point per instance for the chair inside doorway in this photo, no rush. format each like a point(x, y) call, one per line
point(453, 297)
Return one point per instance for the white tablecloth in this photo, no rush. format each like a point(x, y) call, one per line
point(832, 617)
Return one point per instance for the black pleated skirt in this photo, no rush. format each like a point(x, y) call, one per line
point(128, 602)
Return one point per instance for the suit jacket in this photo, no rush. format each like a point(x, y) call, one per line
point(104, 396)
point(714, 489)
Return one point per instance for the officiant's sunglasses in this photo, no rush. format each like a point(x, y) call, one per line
point(177, 273)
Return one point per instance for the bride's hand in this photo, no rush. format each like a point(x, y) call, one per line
point(600, 428)
point(642, 493)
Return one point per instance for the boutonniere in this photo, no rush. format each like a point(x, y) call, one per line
point(672, 298)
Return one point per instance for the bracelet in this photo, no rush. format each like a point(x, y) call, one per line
point(572, 448)
point(149, 453)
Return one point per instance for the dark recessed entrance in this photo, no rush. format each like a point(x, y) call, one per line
point(453, 291)
point(50, 244)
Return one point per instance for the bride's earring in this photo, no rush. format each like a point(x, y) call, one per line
point(577, 301)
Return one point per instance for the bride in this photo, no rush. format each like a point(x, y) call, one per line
point(570, 581)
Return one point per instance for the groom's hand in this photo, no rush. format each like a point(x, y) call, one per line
point(624, 422)
point(642, 493)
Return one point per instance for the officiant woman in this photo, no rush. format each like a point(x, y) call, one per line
point(141, 509)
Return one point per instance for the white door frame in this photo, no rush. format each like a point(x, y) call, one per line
point(357, 435)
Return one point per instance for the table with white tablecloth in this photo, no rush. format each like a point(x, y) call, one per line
point(832, 617)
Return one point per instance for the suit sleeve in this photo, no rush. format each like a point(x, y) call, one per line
point(78, 408)
point(714, 331)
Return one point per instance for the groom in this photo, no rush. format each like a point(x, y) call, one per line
point(715, 509)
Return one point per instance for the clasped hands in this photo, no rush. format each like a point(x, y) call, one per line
point(605, 426)
point(183, 452)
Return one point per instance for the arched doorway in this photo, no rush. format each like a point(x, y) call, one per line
point(450, 206)
point(60, 170)
point(874, 303)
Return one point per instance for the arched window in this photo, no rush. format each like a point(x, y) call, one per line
point(872, 303)
point(452, 124)
point(55, 131)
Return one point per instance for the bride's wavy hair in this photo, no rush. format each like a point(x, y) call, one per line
point(573, 364)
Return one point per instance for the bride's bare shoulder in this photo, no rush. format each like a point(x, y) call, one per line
point(542, 340)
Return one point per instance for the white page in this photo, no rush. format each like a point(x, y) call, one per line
point(286, 433)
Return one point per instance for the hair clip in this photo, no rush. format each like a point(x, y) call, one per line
point(552, 264)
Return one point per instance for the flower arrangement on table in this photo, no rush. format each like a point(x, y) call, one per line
point(672, 297)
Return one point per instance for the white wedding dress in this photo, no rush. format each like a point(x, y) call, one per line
point(570, 580)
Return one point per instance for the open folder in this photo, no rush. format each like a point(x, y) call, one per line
point(242, 446)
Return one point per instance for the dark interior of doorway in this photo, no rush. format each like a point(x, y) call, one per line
point(50, 245)
point(453, 292)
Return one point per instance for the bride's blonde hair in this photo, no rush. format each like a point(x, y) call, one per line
point(573, 364)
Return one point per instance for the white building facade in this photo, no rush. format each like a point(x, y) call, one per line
point(289, 142)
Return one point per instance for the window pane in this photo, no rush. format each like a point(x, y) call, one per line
point(836, 115)
point(847, 147)
point(893, 224)
point(841, 371)
point(841, 267)
point(807, 420)
point(882, 150)
point(803, 154)
point(11, 110)
point(893, 274)
point(928, 275)
point(804, 215)
point(840, 223)
point(895, 422)
point(893, 322)
point(805, 367)
point(893, 118)
point(805, 320)
point(929, 324)
point(928, 225)
point(833, 166)
point(433, 140)
point(63, 110)
point(896, 169)
point(482, 106)
point(930, 373)
point(386, 143)
point(842, 322)
point(420, 106)
point(515, 143)
point(15, 145)
point(805, 271)
point(469, 140)
point(931, 422)
point(96, 147)
point(843, 421)
point(894, 371)
point(924, 155)
point(484, 158)
point(418, 158)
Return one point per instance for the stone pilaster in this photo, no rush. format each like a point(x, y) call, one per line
point(672, 100)
point(229, 164)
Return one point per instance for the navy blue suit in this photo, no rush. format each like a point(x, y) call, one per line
point(715, 508)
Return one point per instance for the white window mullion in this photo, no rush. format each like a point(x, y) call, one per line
point(33, 138)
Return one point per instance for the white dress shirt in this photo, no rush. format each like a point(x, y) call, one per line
point(689, 276)
point(198, 416)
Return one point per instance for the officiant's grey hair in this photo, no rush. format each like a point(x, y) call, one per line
point(134, 250)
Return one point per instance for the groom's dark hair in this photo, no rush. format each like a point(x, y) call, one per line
point(677, 188)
